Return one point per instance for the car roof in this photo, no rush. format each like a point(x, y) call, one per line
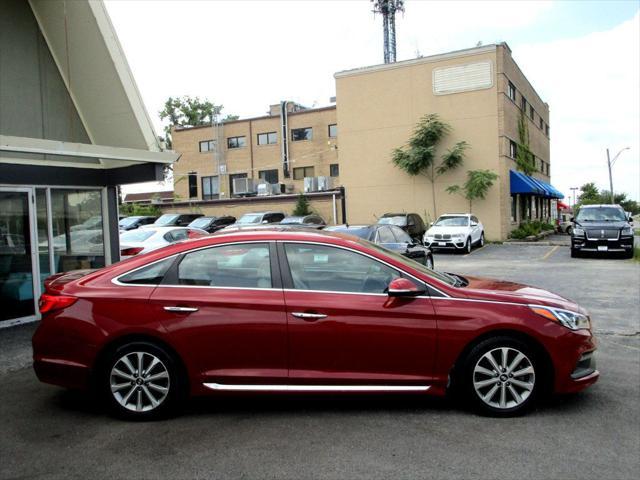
point(600, 205)
point(262, 213)
point(455, 215)
point(397, 214)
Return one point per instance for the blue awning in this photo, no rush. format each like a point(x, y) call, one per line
point(527, 185)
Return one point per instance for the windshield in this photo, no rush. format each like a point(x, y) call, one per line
point(399, 221)
point(250, 218)
point(166, 219)
point(360, 232)
point(200, 222)
point(136, 235)
point(295, 220)
point(126, 222)
point(601, 214)
point(452, 222)
point(443, 277)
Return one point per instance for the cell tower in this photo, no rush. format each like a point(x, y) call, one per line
point(388, 9)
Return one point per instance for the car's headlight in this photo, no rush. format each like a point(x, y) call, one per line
point(457, 235)
point(627, 231)
point(578, 232)
point(571, 320)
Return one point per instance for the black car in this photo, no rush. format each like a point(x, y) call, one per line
point(602, 229)
point(131, 223)
point(409, 222)
point(176, 219)
point(212, 224)
point(390, 237)
point(309, 221)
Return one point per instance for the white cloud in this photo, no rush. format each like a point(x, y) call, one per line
point(592, 85)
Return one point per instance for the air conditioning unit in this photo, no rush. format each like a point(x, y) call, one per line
point(244, 186)
point(289, 188)
point(265, 189)
point(310, 184)
point(325, 183)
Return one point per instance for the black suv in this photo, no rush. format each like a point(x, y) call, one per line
point(176, 219)
point(212, 224)
point(409, 222)
point(131, 223)
point(602, 229)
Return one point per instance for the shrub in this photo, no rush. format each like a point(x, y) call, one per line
point(526, 229)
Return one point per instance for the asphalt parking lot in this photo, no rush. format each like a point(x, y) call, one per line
point(51, 433)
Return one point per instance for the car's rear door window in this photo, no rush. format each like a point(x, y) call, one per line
point(151, 274)
point(238, 265)
point(401, 235)
point(331, 269)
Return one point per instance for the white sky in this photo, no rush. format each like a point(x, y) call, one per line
point(249, 54)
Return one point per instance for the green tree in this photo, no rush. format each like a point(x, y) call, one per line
point(589, 194)
point(524, 156)
point(302, 207)
point(476, 187)
point(134, 209)
point(418, 156)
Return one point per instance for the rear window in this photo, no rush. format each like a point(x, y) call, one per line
point(360, 232)
point(166, 219)
point(399, 221)
point(136, 236)
point(200, 222)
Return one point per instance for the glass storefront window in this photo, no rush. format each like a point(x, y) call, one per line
point(78, 240)
point(43, 237)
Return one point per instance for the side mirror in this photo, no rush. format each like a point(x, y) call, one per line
point(474, 224)
point(431, 224)
point(572, 219)
point(265, 221)
point(402, 287)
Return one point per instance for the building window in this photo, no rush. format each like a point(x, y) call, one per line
point(269, 138)
point(523, 104)
point(193, 185)
point(514, 207)
point(298, 134)
point(541, 124)
point(301, 172)
point(236, 142)
point(511, 91)
point(207, 146)
point(546, 130)
point(333, 130)
point(531, 111)
point(210, 188)
point(334, 170)
point(269, 176)
point(513, 149)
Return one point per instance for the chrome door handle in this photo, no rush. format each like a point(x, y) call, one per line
point(181, 309)
point(309, 316)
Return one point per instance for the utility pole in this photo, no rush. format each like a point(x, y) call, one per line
point(573, 189)
point(610, 164)
point(388, 9)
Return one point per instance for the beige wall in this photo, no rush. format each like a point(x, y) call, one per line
point(377, 112)
point(320, 152)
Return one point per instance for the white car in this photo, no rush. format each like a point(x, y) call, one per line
point(455, 231)
point(143, 240)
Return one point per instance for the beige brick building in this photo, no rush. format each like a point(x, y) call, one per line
point(481, 92)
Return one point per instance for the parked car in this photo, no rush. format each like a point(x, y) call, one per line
point(176, 219)
point(410, 222)
point(143, 240)
point(602, 229)
point(131, 223)
point(390, 237)
point(304, 311)
point(249, 220)
point(212, 224)
point(309, 221)
point(565, 225)
point(455, 231)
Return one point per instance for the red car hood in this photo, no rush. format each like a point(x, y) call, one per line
point(501, 291)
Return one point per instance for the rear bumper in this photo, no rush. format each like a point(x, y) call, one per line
point(62, 373)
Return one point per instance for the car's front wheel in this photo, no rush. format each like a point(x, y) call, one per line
point(467, 246)
point(501, 376)
point(569, 231)
point(429, 262)
point(140, 380)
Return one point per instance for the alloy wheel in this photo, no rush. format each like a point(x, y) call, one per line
point(468, 246)
point(504, 378)
point(139, 381)
point(482, 239)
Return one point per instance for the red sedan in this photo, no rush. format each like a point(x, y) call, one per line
point(293, 311)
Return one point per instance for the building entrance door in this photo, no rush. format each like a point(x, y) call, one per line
point(17, 256)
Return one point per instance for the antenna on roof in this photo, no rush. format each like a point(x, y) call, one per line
point(388, 9)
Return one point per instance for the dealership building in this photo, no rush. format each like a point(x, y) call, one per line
point(72, 128)
point(480, 92)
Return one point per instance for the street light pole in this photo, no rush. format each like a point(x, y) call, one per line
point(573, 189)
point(610, 164)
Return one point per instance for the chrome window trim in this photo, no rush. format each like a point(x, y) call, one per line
point(315, 388)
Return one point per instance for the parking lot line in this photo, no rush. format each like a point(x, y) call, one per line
point(550, 252)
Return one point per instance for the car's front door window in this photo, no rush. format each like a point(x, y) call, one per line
point(331, 269)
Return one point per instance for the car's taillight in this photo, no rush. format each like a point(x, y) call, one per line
point(127, 252)
point(49, 303)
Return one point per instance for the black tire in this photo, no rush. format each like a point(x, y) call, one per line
point(628, 254)
point(467, 246)
point(575, 253)
point(175, 382)
point(481, 242)
point(429, 263)
point(569, 231)
point(476, 357)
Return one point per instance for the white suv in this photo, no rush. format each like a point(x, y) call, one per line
point(455, 231)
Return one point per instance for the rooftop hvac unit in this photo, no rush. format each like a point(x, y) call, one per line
point(266, 189)
point(244, 186)
point(289, 188)
point(325, 183)
point(310, 184)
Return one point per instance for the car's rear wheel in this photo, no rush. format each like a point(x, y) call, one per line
point(569, 231)
point(501, 376)
point(140, 380)
point(575, 253)
point(481, 239)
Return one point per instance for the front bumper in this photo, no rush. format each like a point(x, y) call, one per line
point(574, 359)
point(452, 244)
point(620, 245)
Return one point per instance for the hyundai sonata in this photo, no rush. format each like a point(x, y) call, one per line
point(304, 311)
